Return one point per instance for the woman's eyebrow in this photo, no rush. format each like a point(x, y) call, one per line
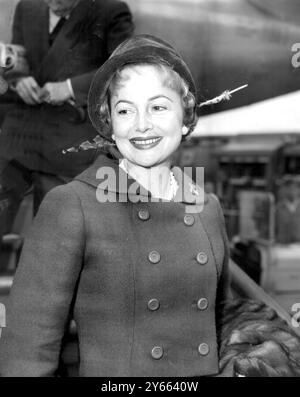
point(124, 101)
point(150, 99)
point(160, 96)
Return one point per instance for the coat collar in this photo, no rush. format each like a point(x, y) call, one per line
point(97, 173)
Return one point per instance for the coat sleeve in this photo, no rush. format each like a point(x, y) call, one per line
point(119, 27)
point(43, 288)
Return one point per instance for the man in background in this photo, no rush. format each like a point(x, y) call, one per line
point(65, 41)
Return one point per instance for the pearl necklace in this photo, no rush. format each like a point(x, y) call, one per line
point(173, 184)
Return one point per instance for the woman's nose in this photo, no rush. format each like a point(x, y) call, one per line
point(143, 122)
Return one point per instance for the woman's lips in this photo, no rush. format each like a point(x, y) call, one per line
point(143, 143)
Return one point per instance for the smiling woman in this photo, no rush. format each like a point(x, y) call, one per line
point(144, 274)
point(141, 275)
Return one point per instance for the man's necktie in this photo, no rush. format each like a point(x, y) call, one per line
point(56, 30)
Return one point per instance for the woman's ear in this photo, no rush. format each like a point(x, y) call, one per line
point(113, 137)
point(185, 130)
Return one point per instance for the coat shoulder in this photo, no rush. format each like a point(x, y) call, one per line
point(61, 192)
point(61, 202)
point(213, 206)
point(213, 219)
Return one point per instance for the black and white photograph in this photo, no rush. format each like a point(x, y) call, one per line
point(149, 191)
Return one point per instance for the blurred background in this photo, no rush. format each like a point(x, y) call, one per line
point(226, 43)
point(250, 145)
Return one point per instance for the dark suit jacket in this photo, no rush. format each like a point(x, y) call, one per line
point(107, 261)
point(36, 135)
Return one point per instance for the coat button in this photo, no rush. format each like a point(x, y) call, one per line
point(202, 304)
point(144, 215)
point(157, 352)
point(153, 304)
point(154, 257)
point(203, 349)
point(202, 258)
point(189, 220)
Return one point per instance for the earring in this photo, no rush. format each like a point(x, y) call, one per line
point(185, 130)
point(113, 137)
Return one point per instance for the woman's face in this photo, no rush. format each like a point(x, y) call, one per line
point(147, 116)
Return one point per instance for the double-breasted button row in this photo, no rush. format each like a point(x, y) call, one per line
point(154, 304)
point(144, 215)
point(154, 256)
point(157, 352)
point(202, 258)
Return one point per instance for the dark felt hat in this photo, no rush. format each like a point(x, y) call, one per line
point(138, 49)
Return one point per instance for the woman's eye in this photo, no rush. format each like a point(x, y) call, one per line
point(159, 108)
point(124, 112)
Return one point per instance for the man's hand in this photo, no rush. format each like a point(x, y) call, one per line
point(29, 90)
point(56, 93)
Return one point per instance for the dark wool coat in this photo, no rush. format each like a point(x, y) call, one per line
point(36, 135)
point(142, 280)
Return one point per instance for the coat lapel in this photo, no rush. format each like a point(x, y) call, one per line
point(55, 56)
